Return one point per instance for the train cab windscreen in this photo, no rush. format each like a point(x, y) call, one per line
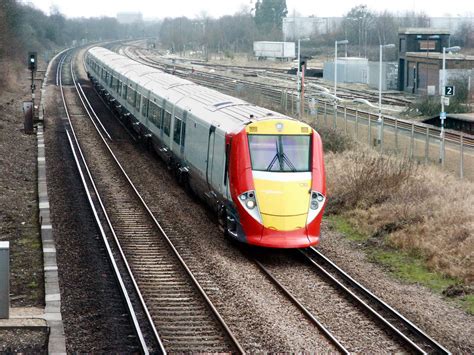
point(280, 153)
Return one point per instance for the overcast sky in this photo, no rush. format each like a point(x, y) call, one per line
point(217, 8)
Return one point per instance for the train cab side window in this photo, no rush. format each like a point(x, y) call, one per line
point(167, 123)
point(226, 167)
point(177, 130)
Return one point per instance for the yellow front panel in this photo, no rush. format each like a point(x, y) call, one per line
point(283, 204)
point(284, 223)
point(276, 126)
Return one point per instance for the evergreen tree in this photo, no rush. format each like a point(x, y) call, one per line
point(269, 14)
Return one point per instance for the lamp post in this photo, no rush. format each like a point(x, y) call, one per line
point(442, 115)
point(380, 119)
point(335, 62)
point(298, 78)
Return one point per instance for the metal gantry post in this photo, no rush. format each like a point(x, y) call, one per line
point(412, 140)
point(381, 135)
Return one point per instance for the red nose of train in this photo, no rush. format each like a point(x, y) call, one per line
point(273, 172)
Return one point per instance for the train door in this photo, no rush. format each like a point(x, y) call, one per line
point(210, 155)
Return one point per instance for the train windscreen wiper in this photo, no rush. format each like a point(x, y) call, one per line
point(282, 158)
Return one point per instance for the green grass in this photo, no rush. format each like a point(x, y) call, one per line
point(411, 268)
point(407, 267)
point(340, 224)
point(468, 303)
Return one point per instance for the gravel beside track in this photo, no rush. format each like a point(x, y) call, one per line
point(248, 321)
point(93, 313)
point(261, 318)
point(444, 321)
point(352, 326)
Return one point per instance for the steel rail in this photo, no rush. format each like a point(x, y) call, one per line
point(106, 216)
point(123, 289)
point(209, 79)
point(436, 347)
point(306, 312)
point(214, 310)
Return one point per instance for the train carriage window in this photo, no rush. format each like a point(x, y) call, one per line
point(145, 103)
point(154, 114)
point(124, 91)
point(167, 123)
point(114, 83)
point(119, 88)
point(183, 133)
point(138, 101)
point(177, 130)
point(131, 95)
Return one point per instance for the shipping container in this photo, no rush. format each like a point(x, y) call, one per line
point(274, 50)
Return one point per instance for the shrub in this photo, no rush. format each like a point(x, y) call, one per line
point(366, 178)
point(426, 212)
point(333, 140)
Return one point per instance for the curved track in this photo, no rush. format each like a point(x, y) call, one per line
point(173, 301)
point(317, 279)
point(413, 336)
point(281, 95)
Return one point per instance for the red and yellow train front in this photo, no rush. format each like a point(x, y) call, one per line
point(277, 183)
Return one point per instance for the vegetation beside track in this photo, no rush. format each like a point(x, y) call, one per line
point(415, 220)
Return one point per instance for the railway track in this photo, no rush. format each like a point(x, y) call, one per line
point(288, 81)
point(345, 282)
point(280, 95)
point(172, 311)
point(379, 326)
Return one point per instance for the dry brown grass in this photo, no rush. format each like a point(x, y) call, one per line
point(417, 208)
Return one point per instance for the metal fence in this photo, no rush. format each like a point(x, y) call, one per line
point(453, 151)
point(424, 143)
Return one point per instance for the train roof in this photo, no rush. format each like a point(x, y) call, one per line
point(223, 110)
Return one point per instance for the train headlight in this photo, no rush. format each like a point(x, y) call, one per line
point(315, 206)
point(249, 201)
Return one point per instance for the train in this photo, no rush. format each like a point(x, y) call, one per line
point(261, 172)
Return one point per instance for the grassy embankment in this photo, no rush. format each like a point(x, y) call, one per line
point(416, 220)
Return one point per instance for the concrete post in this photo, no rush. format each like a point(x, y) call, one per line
point(427, 145)
point(345, 119)
point(396, 135)
point(357, 125)
point(4, 280)
point(369, 132)
point(461, 165)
